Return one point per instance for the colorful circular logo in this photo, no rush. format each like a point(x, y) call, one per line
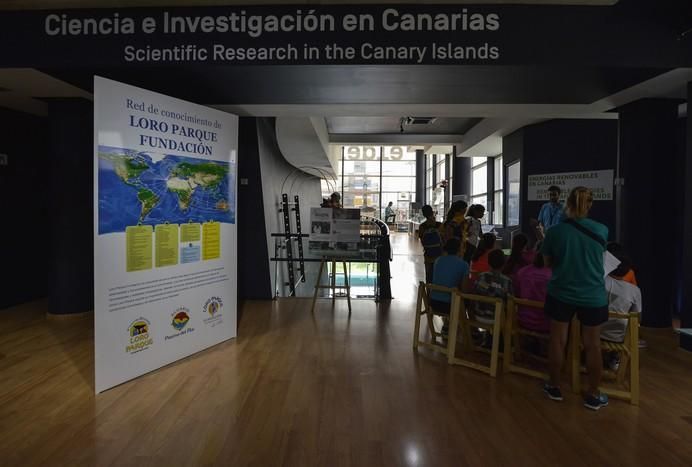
point(180, 319)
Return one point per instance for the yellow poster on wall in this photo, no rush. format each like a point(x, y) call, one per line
point(166, 245)
point(189, 233)
point(211, 240)
point(139, 247)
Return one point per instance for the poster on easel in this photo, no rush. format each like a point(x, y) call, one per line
point(164, 230)
point(334, 232)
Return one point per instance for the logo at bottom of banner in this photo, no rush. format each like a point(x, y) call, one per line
point(212, 310)
point(179, 320)
point(140, 336)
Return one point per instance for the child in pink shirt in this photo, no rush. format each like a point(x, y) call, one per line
point(531, 283)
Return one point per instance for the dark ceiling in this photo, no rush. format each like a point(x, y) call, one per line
point(389, 125)
point(372, 84)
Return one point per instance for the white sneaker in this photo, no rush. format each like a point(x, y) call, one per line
point(614, 363)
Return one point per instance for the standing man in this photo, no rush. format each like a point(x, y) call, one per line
point(389, 213)
point(552, 212)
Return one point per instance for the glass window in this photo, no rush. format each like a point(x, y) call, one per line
point(438, 203)
point(371, 168)
point(440, 170)
point(475, 161)
point(497, 212)
point(498, 200)
point(374, 175)
point(399, 168)
point(398, 184)
point(514, 184)
point(399, 153)
point(361, 153)
point(429, 163)
point(479, 180)
point(498, 173)
point(451, 172)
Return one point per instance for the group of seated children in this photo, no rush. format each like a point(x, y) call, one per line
point(522, 274)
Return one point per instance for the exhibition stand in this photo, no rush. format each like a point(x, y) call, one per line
point(164, 230)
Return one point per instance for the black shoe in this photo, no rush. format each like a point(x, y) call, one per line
point(595, 402)
point(553, 392)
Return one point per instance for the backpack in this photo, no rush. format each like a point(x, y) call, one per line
point(458, 228)
point(432, 241)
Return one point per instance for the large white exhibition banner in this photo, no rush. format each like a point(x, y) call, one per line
point(164, 230)
point(599, 181)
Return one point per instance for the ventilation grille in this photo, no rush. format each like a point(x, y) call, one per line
point(420, 120)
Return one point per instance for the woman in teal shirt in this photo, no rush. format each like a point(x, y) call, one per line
point(574, 248)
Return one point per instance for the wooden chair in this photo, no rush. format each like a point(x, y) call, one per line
point(629, 360)
point(513, 334)
point(465, 321)
point(473, 278)
point(423, 307)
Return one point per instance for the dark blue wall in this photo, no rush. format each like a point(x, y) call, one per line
point(25, 201)
point(253, 269)
point(562, 146)
point(652, 201)
point(71, 159)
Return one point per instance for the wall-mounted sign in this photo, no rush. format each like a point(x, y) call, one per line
point(342, 34)
point(599, 181)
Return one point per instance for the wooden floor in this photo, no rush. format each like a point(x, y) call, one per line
point(329, 390)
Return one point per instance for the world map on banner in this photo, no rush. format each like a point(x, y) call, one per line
point(149, 188)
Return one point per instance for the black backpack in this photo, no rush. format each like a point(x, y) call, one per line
point(432, 241)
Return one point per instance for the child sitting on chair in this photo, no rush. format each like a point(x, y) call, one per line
point(492, 284)
point(531, 283)
point(622, 297)
point(449, 271)
point(479, 260)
